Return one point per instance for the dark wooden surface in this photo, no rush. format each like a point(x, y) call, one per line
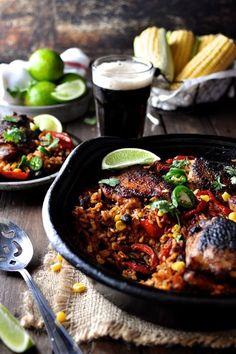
point(98, 26)
point(24, 208)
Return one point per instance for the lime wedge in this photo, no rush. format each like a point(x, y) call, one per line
point(12, 334)
point(121, 158)
point(47, 122)
point(69, 91)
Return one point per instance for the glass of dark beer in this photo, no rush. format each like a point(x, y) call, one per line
point(121, 86)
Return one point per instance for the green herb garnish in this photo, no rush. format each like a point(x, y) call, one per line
point(112, 182)
point(54, 143)
point(12, 119)
point(180, 163)
point(14, 135)
point(23, 162)
point(163, 206)
point(217, 185)
point(232, 172)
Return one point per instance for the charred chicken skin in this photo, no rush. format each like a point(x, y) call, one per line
point(137, 182)
point(213, 248)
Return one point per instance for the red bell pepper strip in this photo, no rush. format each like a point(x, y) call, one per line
point(137, 267)
point(149, 251)
point(145, 269)
point(222, 208)
point(17, 174)
point(64, 139)
point(200, 207)
point(153, 230)
point(165, 251)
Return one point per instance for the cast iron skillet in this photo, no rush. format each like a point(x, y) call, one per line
point(82, 168)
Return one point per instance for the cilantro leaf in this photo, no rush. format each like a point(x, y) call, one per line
point(233, 180)
point(14, 135)
point(217, 185)
point(163, 206)
point(12, 119)
point(180, 163)
point(112, 182)
point(230, 170)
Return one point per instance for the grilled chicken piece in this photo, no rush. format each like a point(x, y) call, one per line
point(212, 250)
point(203, 173)
point(137, 182)
point(7, 151)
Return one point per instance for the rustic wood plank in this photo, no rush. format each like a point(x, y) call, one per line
point(102, 27)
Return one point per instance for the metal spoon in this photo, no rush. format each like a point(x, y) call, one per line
point(16, 251)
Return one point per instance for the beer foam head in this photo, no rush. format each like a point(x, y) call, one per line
point(122, 75)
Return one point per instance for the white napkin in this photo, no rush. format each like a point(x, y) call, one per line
point(204, 89)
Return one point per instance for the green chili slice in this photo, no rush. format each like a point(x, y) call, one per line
point(43, 150)
point(176, 176)
point(36, 163)
point(183, 197)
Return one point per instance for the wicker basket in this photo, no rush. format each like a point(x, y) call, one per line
point(204, 89)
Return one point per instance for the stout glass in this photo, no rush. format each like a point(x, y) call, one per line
point(121, 86)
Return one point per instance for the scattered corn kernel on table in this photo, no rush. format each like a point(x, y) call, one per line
point(24, 208)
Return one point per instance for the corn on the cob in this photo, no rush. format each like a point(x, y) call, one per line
point(218, 55)
point(152, 44)
point(181, 44)
point(205, 40)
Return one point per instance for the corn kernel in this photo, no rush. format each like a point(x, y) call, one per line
point(160, 213)
point(205, 197)
point(176, 228)
point(56, 267)
point(178, 265)
point(59, 257)
point(61, 316)
point(164, 286)
point(117, 217)
point(232, 216)
point(120, 226)
point(79, 287)
point(225, 196)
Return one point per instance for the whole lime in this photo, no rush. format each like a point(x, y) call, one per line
point(40, 94)
point(68, 77)
point(45, 65)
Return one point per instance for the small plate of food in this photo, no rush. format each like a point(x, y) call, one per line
point(31, 150)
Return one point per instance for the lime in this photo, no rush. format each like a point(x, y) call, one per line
point(47, 122)
point(69, 91)
point(12, 334)
point(40, 94)
point(68, 77)
point(45, 65)
point(121, 158)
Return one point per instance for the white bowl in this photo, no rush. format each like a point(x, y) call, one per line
point(65, 112)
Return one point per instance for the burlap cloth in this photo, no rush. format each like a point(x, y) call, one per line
point(90, 315)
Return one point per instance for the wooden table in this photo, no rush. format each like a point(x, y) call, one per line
point(24, 208)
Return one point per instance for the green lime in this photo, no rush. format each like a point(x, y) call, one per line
point(47, 122)
point(46, 65)
point(13, 335)
point(40, 94)
point(121, 158)
point(68, 77)
point(69, 91)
